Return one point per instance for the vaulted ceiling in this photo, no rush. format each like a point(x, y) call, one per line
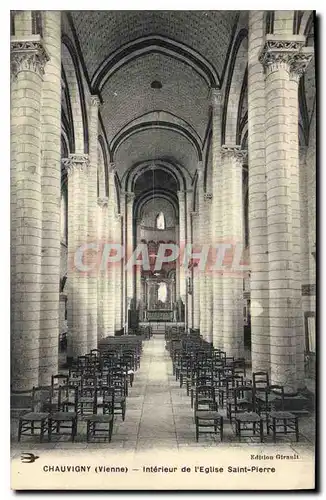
point(126, 51)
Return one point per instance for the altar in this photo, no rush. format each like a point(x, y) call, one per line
point(159, 304)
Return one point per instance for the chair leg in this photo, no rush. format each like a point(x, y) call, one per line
point(261, 431)
point(20, 426)
point(73, 429)
point(274, 430)
point(42, 430)
point(221, 428)
point(197, 430)
point(49, 429)
point(110, 430)
point(297, 429)
point(285, 427)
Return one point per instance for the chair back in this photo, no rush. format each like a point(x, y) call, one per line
point(205, 398)
point(68, 398)
point(41, 397)
point(59, 379)
point(278, 391)
point(260, 380)
point(108, 395)
point(244, 399)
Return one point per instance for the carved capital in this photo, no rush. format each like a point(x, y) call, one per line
point(290, 54)
point(208, 196)
point(129, 195)
point(112, 168)
point(181, 195)
point(95, 101)
point(215, 98)
point(300, 62)
point(75, 162)
point(103, 201)
point(234, 153)
point(28, 55)
point(200, 170)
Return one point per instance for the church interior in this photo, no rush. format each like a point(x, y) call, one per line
point(163, 228)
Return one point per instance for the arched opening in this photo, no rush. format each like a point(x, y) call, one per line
point(160, 221)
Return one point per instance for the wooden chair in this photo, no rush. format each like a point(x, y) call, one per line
point(245, 416)
point(100, 425)
point(277, 420)
point(205, 412)
point(86, 395)
point(36, 419)
point(117, 380)
point(66, 416)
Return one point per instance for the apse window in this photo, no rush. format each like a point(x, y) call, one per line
point(162, 292)
point(156, 84)
point(160, 221)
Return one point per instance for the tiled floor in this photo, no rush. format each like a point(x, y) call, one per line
point(159, 415)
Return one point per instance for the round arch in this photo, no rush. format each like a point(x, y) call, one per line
point(237, 71)
point(151, 44)
point(75, 88)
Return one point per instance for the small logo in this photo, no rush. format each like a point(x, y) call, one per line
point(28, 458)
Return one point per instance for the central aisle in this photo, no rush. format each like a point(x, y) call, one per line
point(158, 411)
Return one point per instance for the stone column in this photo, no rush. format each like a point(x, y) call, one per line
point(217, 227)
point(92, 211)
point(128, 249)
point(280, 58)
point(257, 205)
point(201, 241)
point(208, 274)
point(108, 269)
point(138, 285)
point(28, 59)
point(102, 279)
point(195, 287)
point(190, 271)
point(232, 160)
point(298, 66)
point(118, 278)
point(111, 237)
point(182, 243)
point(177, 270)
point(51, 198)
point(77, 166)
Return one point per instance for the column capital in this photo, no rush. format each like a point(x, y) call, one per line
point(28, 55)
point(234, 152)
point(200, 170)
point(129, 195)
point(300, 62)
point(75, 161)
point(95, 101)
point(112, 168)
point(280, 52)
point(103, 201)
point(208, 196)
point(215, 96)
point(194, 214)
point(181, 195)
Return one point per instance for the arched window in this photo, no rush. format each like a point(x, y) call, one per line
point(162, 292)
point(160, 221)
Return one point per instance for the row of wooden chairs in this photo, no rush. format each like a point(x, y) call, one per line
point(94, 390)
point(215, 380)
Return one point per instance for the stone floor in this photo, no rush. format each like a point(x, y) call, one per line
point(159, 417)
